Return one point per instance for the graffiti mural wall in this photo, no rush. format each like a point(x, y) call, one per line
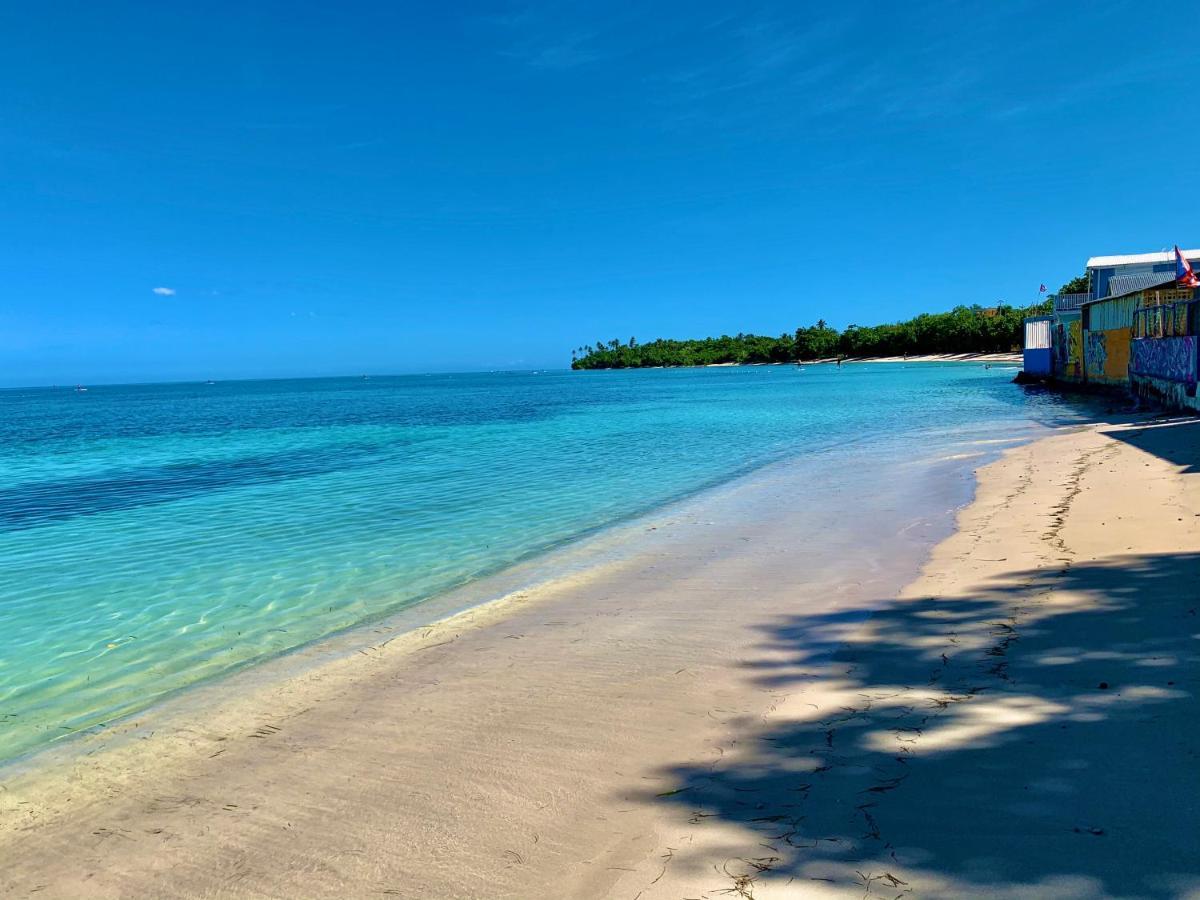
point(1068, 358)
point(1106, 355)
point(1170, 359)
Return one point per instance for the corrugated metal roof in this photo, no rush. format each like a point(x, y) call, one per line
point(1127, 284)
point(1133, 284)
point(1129, 259)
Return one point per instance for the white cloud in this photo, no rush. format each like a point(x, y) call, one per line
point(164, 291)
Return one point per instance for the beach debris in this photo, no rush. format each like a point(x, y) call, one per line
point(889, 785)
point(666, 858)
point(743, 882)
point(872, 825)
point(887, 877)
point(672, 793)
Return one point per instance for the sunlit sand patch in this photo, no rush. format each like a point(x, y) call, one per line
point(1138, 693)
point(975, 723)
point(1066, 656)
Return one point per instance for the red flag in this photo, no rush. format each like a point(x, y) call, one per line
point(1183, 271)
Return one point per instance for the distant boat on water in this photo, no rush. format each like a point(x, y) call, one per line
point(80, 389)
point(210, 381)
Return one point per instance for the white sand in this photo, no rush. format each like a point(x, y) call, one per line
point(927, 357)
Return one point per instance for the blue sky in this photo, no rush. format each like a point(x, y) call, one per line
point(381, 187)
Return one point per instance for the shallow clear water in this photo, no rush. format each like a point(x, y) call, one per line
point(152, 536)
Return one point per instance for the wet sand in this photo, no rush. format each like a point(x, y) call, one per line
point(725, 712)
point(1021, 721)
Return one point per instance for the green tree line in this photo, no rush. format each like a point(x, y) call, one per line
point(964, 329)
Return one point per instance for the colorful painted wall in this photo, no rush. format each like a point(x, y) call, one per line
point(1164, 370)
point(1168, 359)
point(1156, 392)
point(1106, 356)
point(1107, 334)
point(1068, 348)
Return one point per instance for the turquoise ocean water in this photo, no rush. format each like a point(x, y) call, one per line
point(153, 536)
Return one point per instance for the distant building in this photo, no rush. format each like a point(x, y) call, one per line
point(1136, 327)
point(1112, 276)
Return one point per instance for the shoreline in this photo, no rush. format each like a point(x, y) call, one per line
point(1002, 358)
point(478, 603)
point(1021, 720)
point(591, 689)
point(209, 742)
point(483, 599)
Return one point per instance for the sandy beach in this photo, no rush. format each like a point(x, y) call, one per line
point(1008, 358)
point(947, 357)
point(1013, 358)
point(715, 715)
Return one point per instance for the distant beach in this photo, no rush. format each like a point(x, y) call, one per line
point(1006, 358)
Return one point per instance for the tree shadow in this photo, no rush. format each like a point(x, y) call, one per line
point(1035, 739)
point(1176, 440)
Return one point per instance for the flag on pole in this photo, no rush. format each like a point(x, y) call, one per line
point(1183, 271)
point(1042, 289)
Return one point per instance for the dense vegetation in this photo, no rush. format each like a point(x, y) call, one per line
point(965, 329)
point(1077, 285)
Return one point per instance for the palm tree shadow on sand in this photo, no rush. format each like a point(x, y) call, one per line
point(1037, 738)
